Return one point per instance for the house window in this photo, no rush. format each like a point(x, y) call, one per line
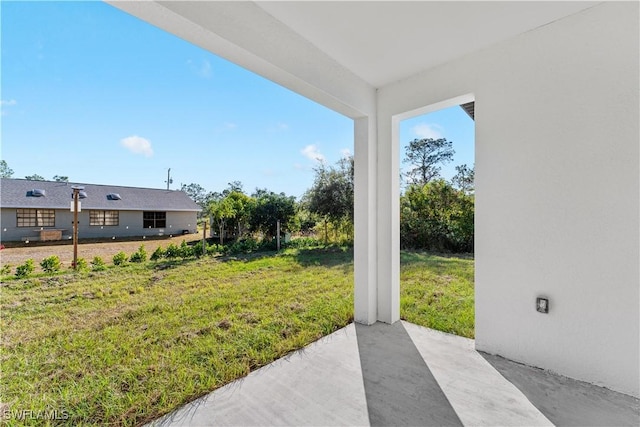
point(154, 219)
point(104, 218)
point(36, 217)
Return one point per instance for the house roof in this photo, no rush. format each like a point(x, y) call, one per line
point(16, 193)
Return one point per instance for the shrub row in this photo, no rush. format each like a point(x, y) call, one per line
point(52, 263)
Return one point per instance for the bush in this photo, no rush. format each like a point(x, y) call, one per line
point(5, 270)
point(436, 217)
point(51, 264)
point(120, 258)
point(303, 242)
point(186, 251)
point(248, 245)
point(25, 269)
point(98, 264)
point(139, 256)
point(172, 251)
point(197, 249)
point(214, 249)
point(157, 254)
point(81, 264)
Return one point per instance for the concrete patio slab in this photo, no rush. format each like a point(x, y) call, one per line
point(404, 375)
point(477, 391)
point(319, 385)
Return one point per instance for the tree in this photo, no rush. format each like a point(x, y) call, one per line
point(331, 196)
point(5, 170)
point(35, 177)
point(424, 156)
point(221, 211)
point(268, 209)
point(436, 216)
point(196, 192)
point(242, 206)
point(464, 179)
point(60, 178)
point(233, 187)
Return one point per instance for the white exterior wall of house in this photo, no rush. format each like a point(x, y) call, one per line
point(557, 190)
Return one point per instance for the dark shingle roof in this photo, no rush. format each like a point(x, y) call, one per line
point(470, 109)
point(14, 194)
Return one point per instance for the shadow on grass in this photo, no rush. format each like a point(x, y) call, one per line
point(437, 262)
point(167, 264)
point(247, 257)
point(331, 256)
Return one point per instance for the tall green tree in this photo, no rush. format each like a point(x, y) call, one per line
point(242, 206)
point(331, 196)
point(5, 170)
point(60, 178)
point(196, 192)
point(464, 179)
point(424, 157)
point(221, 212)
point(233, 187)
point(269, 208)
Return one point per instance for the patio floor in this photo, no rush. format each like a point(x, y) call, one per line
point(404, 375)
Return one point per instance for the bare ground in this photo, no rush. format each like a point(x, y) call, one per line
point(17, 253)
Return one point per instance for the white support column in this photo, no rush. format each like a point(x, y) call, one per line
point(365, 244)
point(388, 220)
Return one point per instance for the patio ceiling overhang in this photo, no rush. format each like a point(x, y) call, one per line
point(339, 53)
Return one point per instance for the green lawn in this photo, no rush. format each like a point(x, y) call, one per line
point(126, 345)
point(437, 292)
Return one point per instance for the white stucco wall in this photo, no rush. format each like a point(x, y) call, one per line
point(557, 190)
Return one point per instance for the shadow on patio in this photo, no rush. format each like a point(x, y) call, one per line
point(405, 375)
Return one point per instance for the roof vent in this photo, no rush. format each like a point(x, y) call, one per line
point(114, 196)
point(81, 195)
point(36, 192)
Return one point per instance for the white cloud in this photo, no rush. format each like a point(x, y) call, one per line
point(345, 152)
point(137, 145)
point(311, 152)
point(203, 68)
point(278, 127)
point(427, 130)
point(6, 103)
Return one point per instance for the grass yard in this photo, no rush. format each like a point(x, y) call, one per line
point(437, 292)
point(127, 345)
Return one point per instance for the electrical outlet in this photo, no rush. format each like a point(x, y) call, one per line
point(542, 305)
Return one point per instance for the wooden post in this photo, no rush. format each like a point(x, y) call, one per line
point(278, 234)
point(76, 195)
point(204, 238)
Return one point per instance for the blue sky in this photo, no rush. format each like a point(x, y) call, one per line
point(92, 93)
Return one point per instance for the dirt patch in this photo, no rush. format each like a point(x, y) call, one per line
point(18, 253)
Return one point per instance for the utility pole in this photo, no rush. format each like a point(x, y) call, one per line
point(76, 206)
point(169, 180)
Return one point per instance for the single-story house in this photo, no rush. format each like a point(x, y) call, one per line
point(42, 210)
